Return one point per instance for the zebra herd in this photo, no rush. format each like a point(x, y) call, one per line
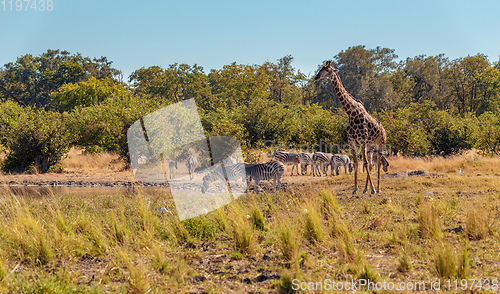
point(320, 161)
point(274, 169)
point(233, 171)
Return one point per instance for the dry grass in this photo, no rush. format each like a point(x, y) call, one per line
point(101, 243)
point(79, 161)
point(471, 163)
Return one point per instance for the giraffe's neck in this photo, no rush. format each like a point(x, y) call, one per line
point(346, 100)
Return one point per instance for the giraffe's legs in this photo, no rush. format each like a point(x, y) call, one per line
point(379, 165)
point(368, 177)
point(355, 159)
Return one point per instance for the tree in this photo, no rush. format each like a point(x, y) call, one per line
point(426, 77)
point(360, 71)
point(283, 81)
point(404, 136)
point(488, 90)
point(378, 92)
point(86, 93)
point(33, 137)
point(488, 133)
point(103, 126)
point(30, 80)
point(463, 79)
point(171, 85)
point(238, 84)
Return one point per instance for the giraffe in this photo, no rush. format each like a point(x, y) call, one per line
point(362, 130)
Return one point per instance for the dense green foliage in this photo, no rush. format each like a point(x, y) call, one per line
point(34, 137)
point(428, 104)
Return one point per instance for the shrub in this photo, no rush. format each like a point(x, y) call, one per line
point(33, 137)
point(488, 134)
point(86, 93)
point(103, 127)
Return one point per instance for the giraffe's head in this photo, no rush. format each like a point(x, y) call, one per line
point(326, 71)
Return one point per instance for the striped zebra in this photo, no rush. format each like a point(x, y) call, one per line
point(288, 158)
point(372, 161)
point(220, 175)
point(191, 164)
point(339, 160)
point(305, 159)
point(321, 161)
point(272, 170)
point(171, 165)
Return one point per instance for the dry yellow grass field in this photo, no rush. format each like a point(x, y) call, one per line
point(419, 231)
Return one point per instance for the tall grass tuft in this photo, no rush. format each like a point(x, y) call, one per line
point(463, 263)
point(289, 245)
point(478, 222)
point(3, 269)
point(368, 274)
point(285, 284)
point(136, 274)
point(159, 260)
point(313, 228)
point(404, 262)
point(450, 264)
point(329, 203)
point(220, 218)
point(344, 240)
point(242, 234)
point(201, 227)
point(29, 237)
point(428, 221)
point(445, 262)
point(257, 219)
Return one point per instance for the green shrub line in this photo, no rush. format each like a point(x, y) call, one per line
point(429, 105)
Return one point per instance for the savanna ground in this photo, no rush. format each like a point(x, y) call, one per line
point(418, 229)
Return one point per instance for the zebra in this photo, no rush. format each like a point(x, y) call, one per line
point(305, 159)
point(321, 161)
point(265, 171)
point(372, 161)
point(191, 164)
point(288, 158)
point(171, 165)
point(229, 173)
point(341, 160)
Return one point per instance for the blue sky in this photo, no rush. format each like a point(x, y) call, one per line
point(135, 34)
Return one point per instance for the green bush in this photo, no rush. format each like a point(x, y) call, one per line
point(422, 127)
point(488, 133)
point(265, 120)
point(33, 137)
point(86, 93)
point(403, 134)
point(103, 127)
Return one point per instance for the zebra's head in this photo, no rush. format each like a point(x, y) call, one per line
point(326, 71)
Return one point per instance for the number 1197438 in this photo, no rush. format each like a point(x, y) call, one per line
point(27, 5)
